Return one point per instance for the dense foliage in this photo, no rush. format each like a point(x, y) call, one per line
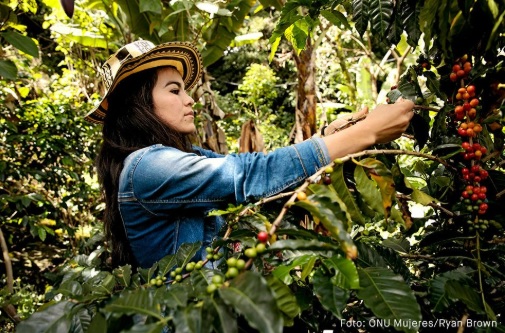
point(405, 236)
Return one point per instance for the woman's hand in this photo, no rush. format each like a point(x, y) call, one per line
point(340, 123)
point(388, 121)
point(385, 123)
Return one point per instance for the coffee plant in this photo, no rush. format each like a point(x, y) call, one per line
point(344, 251)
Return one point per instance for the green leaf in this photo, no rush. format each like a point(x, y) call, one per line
point(328, 198)
point(297, 233)
point(166, 264)
point(98, 324)
point(439, 128)
point(221, 33)
point(336, 18)
point(250, 296)
point(409, 85)
point(81, 318)
point(433, 84)
point(218, 38)
point(393, 95)
point(141, 301)
point(360, 15)
point(277, 4)
point(396, 27)
point(123, 275)
point(301, 244)
point(339, 184)
point(201, 278)
point(223, 319)
point(189, 320)
point(307, 268)
point(147, 273)
point(380, 16)
point(439, 297)
point(282, 272)
point(22, 43)
point(180, 26)
point(137, 21)
point(329, 214)
point(175, 295)
point(393, 260)
point(145, 328)
point(448, 150)
point(332, 297)
point(102, 284)
point(427, 18)
point(388, 296)
point(70, 288)
point(289, 15)
point(466, 294)
point(409, 14)
point(80, 36)
point(298, 33)
point(368, 256)
point(42, 233)
point(286, 301)
point(346, 275)
point(275, 44)
point(26, 201)
point(186, 252)
point(371, 195)
point(8, 70)
point(150, 6)
point(422, 198)
point(399, 245)
point(53, 319)
point(495, 32)
point(445, 15)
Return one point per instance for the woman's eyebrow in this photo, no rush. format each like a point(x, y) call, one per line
point(173, 82)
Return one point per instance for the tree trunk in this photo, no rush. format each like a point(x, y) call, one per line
point(210, 135)
point(306, 92)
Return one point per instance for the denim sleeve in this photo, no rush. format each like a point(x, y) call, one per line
point(171, 177)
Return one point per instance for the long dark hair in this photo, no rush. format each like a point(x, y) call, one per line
point(130, 124)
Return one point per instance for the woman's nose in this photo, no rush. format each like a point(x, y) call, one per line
point(189, 100)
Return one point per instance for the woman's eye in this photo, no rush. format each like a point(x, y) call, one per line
point(175, 91)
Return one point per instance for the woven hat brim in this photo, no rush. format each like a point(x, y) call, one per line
point(183, 56)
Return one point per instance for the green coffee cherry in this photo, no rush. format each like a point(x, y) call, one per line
point(232, 272)
point(217, 279)
point(231, 262)
point(240, 264)
point(260, 248)
point(251, 252)
point(211, 288)
point(190, 266)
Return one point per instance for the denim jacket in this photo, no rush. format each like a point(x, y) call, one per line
point(165, 194)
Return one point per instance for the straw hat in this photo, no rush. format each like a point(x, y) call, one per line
point(141, 55)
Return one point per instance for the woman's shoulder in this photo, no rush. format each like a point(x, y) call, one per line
point(158, 158)
point(152, 153)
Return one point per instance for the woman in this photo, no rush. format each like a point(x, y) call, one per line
point(159, 188)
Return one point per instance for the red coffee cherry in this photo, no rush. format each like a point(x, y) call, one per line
point(262, 236)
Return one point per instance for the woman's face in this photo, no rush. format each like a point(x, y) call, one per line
point(172, 104)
